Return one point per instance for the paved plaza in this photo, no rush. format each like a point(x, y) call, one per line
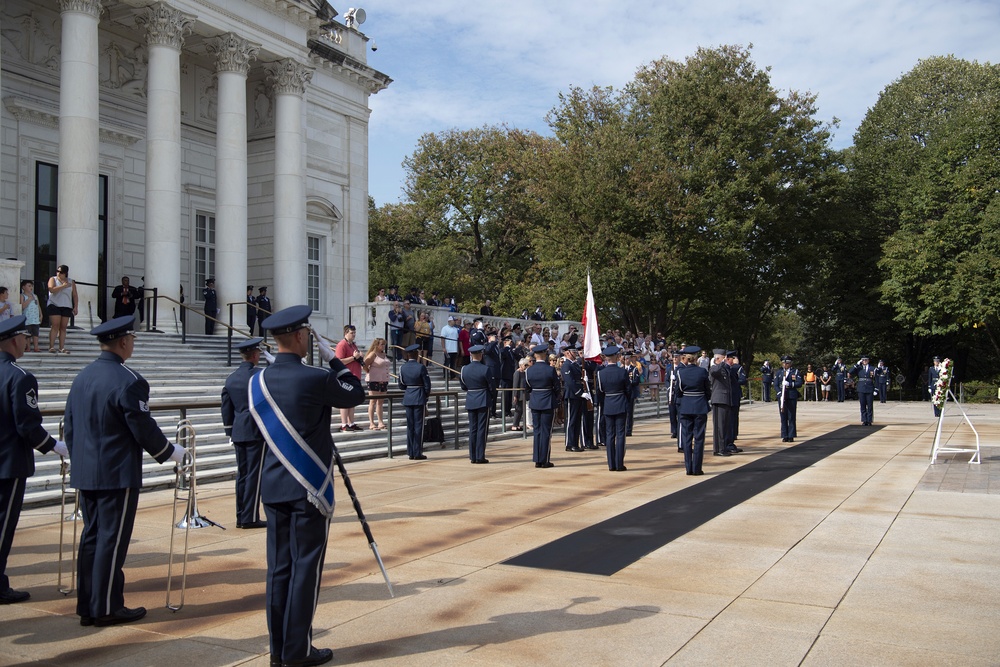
point(871, 556)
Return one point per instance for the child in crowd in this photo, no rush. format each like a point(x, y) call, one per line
point(32, 313)
point(6, 310)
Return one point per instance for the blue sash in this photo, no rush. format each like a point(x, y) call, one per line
point(294, 453)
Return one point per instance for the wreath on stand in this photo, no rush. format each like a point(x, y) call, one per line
point(943, 384)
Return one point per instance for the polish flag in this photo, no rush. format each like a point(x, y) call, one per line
point(591, 334)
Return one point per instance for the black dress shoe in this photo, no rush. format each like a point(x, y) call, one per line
point(673, 435)
point(419, 457)
point(689, 473)
point(590, 447)
point(734, 450)
point(252, 524)
point(86, 621)
point(699, 472)
point(574, 449)
point(481, 461)
point(317, 656)
point(123, 615)
point(680, 449)
point(275, 662)
point(622, 469)
point(546, 464)
point(10, 596)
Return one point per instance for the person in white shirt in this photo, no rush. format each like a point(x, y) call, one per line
point(449, 343)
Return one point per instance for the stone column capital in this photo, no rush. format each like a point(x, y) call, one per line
point(288, 76)
point(165, 25)
point(92, 7)
point(233, 53)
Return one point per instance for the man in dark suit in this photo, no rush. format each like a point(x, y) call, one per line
point(693, 392)
point(613, 393)
point(722, 402)
point(508, 364)
point(22, 433)
point(491, 357)
point(291, 403)
point(107, 427)
point(737, 380)
point(538, 315)
point(787, 381)
point(487, 309)
point(211, 306)
point(543, 383)
point(477, 381)
point(125, 297)
point(574, 398)
point(251, 309)
point(865, 373)
point(670, 379)
point(263, 308)
point(243, 433)
point(415, 382)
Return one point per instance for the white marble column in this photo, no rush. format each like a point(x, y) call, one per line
point(79, 147)
point(232, 63)
point(165, 30)
point(289, 79)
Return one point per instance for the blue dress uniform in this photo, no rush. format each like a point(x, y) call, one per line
point(694, 390)
point(107, 427)
point(508, 364)
point(22, 433)
point(634, 380)
point(543, 383)
point(297, 530)
point(670, 379)
point(767, 375)
point(211, 306)
point(839, 376)
point(613, 388)
point(788, 398)
point(246, 438)
point(589, 412)
point(415, 382)
point(573, 391)
point(881, 381)
point(491, 357)
point(865, 373)
point(477, 381)
point(263, 308)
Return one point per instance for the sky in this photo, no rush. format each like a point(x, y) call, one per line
point(465, 64)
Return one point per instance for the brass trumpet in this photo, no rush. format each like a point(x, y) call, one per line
point(63, 518)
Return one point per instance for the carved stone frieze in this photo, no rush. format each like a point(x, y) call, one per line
point(165, 26)
point(32, 38)
point(233, 53)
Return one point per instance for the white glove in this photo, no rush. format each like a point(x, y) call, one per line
point(61, 448)
point(786, 383)
point(325, 353)
point(268, 356)
point(586, 396)
point(177, 456)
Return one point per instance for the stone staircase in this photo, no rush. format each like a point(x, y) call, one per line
point(186, 381)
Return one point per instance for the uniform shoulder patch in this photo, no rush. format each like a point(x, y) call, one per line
point(32, 399)
point(347, 386)
point(143, 406)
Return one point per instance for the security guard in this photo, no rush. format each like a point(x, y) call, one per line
point(694, 390)
point(477, 381)
point(107, 425)
point(865, 373)
point(21, 434)
point(613, 389)
point(291, 403)
point(543, 383)
point(243, 433)
point(574, 395)
point(787, 381)
point(416, 383)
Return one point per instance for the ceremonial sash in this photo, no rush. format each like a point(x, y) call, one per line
point(291, 449)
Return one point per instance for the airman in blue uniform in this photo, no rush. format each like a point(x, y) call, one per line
point(415, 382)
point(787, 381)
point(107, 427)
point(477, 381)
point(491, 357)
point(865, 373)
point(22, 433)
point(298, 524)
point(670, 380)
point(573, 397)
point(244, 434)
point(613, 392)
point(543, 383)
point(693, 392)
point(589, 410)
point(767, 376)
point(882, 381)
point(840, 377)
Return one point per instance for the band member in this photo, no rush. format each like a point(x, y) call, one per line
point(787, 380)
point(108, 425)
point(291, 403)
point(543, 383)
point(22, 433)
point(416, 383)
point(574, 396)
point(722, 402)
point(613, 389)
point(477, 381)
point(865, 373)
point(694, 390)
point(243, 433)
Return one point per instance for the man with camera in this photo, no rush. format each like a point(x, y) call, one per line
point(349, 355)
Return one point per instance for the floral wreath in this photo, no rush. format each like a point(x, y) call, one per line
point(943, 384)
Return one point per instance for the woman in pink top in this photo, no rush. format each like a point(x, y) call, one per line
point(376, 364)
point(350, 356)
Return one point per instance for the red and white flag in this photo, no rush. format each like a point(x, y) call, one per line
point(591, 333)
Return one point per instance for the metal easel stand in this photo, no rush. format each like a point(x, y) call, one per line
point(938, 449)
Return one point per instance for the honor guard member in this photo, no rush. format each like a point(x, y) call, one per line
point(694, 391)
point(22, 434)
point(722, 402)
point(933, 373)
point(291, 403)
point(491, 357)
point(574, 397)
point(107, 425)
point(251, 309)
point(415, 382)
point(767, 376)
point(670, 378)
point(543, 383)
point(614, 393)
point(587, 421)
point(737, 380)
point(635, 380)
point(211, 306)
point(865, 373)
point(839, 376)
point(787, 381)
point(477, 381)
point(263, 309)
point(244, 435)
point(881, 381)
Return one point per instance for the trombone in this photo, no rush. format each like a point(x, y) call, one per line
point(186, 482)
point(63, 518)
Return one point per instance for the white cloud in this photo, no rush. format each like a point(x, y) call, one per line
point(461, 64)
